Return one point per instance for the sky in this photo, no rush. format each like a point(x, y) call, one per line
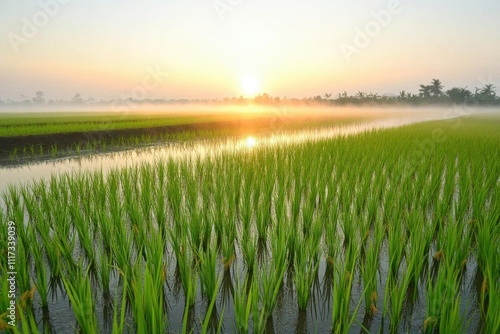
point(223, 48)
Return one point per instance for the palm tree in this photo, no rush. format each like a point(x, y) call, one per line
point(425, 91)
point(327, 96)
point(488, 91)
point(360, 95)
point(436, 88)
point(459, 95)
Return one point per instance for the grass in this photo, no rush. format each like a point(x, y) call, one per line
point(271, 216)
point(12, 125)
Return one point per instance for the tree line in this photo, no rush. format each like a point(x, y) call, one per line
point(432, 93)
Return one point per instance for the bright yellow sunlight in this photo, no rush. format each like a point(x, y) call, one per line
point(250, 84)
point(251, 142)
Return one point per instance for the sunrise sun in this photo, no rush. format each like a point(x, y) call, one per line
point(250, 84)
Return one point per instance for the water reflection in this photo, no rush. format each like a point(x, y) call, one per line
point(251, 142)
point(185, 150)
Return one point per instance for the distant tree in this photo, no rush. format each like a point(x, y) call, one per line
point(77, 99)
point(425, 91)
point(327, 95)
point(38, 99)
point(459, 95)
point(486, 94)
point(360, 95)
point(436, 87)
point(488, 91)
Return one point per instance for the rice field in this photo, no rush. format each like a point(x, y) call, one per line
point(393, 231)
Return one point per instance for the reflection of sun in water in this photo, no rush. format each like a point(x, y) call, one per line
point(251, 142)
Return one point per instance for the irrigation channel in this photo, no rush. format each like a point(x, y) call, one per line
point(247, 287)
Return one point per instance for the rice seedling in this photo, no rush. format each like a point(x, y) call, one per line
point(243, 303)
point(306, 269)
point(187, 269)
point(249, 251)
point(206, 323)
point(104, 271)
point(260, 313)
point(119, 323)
point(396, 238)
point(147, 301)
point(342, 288)
point(373, 220)
point(208, 271)
point(28, 324)
point(79, 292)
point(369, 268)
point(41, 283)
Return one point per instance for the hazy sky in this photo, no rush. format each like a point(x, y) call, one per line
point(205, 48)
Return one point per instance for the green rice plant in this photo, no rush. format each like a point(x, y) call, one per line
point(249, 251)
point(79, 292)
point(263, 214)
point(13, 155)
point(22, 268)
point(396, 238)
point(228, 252)
point(147, 306)
point(119, 323)
point(396, 290)
point(242, 304)
point(104, 271)
point(271, 279)
point(260, 312)
point(206, 323)
point(369, 268)
point(489, 300)
point(84, 235)
point(306, 270)
point(417, 250)
point(331, 242)
point(451, 319)
point(342, 288)
point(487, 234)
point(28, 324)
point(159, 201)
point(65, 246)
point(187, 270)
point(41, 283)
point(54, 151)
point(438, 299)
point(122, 244)
point(208, 271)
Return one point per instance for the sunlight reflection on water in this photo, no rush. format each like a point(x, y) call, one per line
point(12, 175)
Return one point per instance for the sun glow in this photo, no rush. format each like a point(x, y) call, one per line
point(251, 142)
point(250, 84)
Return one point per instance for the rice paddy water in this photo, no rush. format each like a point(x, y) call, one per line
point(339, 231)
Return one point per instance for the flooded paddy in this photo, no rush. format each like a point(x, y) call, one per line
point(321, 231)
